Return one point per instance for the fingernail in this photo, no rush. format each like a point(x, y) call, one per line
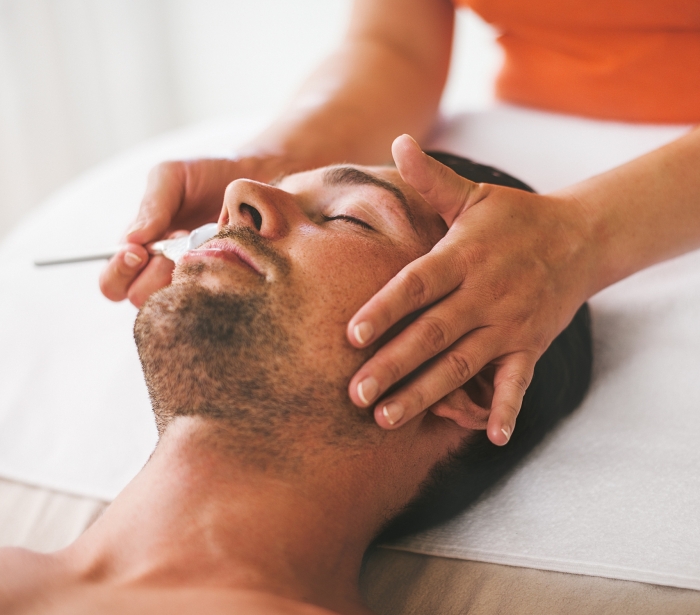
point(132, 260)
point(506, 432)
point(367, 390)
point(393, 412)
point(136, 226)
point(363, 332)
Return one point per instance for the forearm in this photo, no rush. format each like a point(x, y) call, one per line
point(352, 109)
point(640, 213)
point(386, 78)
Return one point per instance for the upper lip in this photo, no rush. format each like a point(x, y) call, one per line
point(226, 245)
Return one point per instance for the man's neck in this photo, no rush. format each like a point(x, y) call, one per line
point(193, 517)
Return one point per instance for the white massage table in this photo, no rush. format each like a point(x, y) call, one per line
point(59, 468)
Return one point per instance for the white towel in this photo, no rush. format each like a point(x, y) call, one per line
point(614, 491)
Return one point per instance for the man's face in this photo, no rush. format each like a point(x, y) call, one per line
point(332, 237)
point(256, 317)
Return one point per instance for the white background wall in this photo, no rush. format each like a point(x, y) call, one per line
point(83, 79)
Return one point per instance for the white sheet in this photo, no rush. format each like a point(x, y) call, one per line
point(613, 492)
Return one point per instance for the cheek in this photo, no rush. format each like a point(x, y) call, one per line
point(342, 277)
point(334, 276)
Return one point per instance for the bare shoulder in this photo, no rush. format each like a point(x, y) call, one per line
point(23, 575)
point(35, 583)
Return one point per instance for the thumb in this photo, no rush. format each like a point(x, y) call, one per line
point(439, 185)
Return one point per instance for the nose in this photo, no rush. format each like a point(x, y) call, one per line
point(262, 208)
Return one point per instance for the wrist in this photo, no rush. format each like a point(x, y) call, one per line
point(613, 247)
point(588, 239)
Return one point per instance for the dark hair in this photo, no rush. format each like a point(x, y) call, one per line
point(560, 381)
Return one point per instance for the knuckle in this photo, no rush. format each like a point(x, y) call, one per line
point(459, 368)
point(541, 341)
point(416, 402)
point(434, 335)
point(190, 175)
point(511, 409)
point(500, 289)
point(416, 287)
point(393, 369)
point(440, 177)
point(519, 381)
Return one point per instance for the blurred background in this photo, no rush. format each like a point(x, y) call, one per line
point(81, 80)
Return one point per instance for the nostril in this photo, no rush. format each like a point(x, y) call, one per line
point(253, 213)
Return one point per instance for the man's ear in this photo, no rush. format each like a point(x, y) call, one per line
point(470, 405)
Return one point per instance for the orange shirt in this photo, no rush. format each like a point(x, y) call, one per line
point(632, 60)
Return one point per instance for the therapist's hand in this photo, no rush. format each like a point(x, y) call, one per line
point(505, 280)
point(180, 196)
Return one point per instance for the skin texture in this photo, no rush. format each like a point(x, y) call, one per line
point(261, 510)
point(498, 277)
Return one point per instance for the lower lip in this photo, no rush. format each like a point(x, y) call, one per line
point(226, 255)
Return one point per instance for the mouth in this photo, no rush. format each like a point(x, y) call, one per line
point(226, 250)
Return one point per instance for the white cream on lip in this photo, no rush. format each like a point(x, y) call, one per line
point(175, 249)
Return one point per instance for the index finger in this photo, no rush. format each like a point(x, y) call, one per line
point(419, 284)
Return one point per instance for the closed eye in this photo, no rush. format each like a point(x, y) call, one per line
point(350, 219)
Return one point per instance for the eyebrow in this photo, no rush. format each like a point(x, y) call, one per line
point(351, 176)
